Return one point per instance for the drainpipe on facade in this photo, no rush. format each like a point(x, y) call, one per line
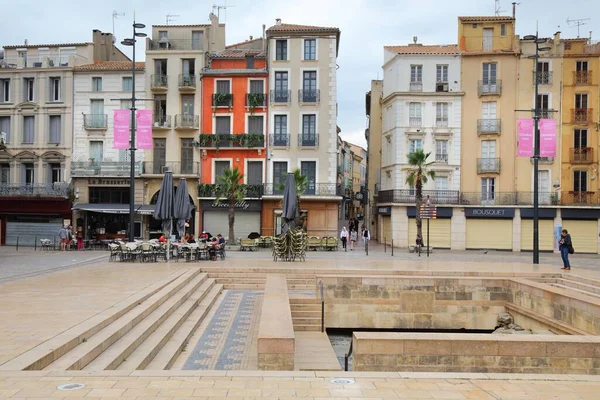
point(267, 136)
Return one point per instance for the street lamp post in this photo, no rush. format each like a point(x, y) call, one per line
point(131, 42)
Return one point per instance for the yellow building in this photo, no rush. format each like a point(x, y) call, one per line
point(489, 59)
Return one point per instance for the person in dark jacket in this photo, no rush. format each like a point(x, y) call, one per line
point(565, 247)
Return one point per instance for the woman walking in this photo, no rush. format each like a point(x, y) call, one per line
point(566, 248)
point(353, 236)
point(344, 238)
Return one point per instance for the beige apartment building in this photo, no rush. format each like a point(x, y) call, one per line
point(302, 122)
point(175, 56)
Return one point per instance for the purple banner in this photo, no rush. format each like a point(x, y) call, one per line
point(144, 129)
point(121, 129)
point(525, 137)
point(547, 138)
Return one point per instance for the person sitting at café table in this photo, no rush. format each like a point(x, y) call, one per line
point(191, 238)
point(185, 238)
point(204, 236)
point(220, 239)
point(162, 239)
point(212, 248)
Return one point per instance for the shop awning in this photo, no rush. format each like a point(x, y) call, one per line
point(114, 208)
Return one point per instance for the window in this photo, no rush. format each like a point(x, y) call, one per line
point(109, 195)
point(28, 89)
point(489, 73)
point(441, 74)
point(581, 66)
point(28, 129)
point(54, 89)
point(414, 145)
point(127, 84)
point(414, 117)
point(441, 114)
point(257, 86)
point(580, 138)
point(502, 29)
point(23, 55)
point(160, 67)
point(197, 40)
point(488, 189)
point(4, 173)
point(160, 156)
point(281, 50)
point(542, 104)
point(97, 118)
point(55, 126)
point(309, 87)
point(249, 62)
point(488, 39)
point(5, 127)
point(441, 183)
point(55, 173)
point(580, 181)
point(254, 173)
point(581, 100)
point(543, 73)
point(188, 67)
point(309, 170)
point(488, 149)
point(187, 108)
point(29, 174)
point(310, 49)
point(280, 169)
point(223, 86)
point(96, 151)
point(281, 87)
point(220, 167)
point(160, 110)
point(4, 90)
point(223, 125)
point(416, 73)
point(255, 124)
point(280, 137)
point(187, 156)
point(96, 84)
point(441, 151)
point(309, 130)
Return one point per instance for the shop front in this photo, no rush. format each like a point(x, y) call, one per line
point(320, 217)
point(489, 228)
point(440, 234)
point(545, 229)
point(583, 227)
point(106, 221)
point(385, 222)
point(215, 217)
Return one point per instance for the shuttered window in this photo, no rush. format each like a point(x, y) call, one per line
point(255, 124)
point(257, 86)
point(28, 129)
point(220, 167)
point(255, 173)
point(223, 87)
point(187, 156)
point(55, 126)
point(223, 124)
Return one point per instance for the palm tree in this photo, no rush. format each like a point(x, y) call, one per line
point(233, 191)
point(418, 174)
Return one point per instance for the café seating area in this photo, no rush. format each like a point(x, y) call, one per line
point(153, 251)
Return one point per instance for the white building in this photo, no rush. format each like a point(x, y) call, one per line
point(421, 108)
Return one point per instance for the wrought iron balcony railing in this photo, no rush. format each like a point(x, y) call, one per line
point(581, 116)
point(103, 168)
point(489, 87)
point(256, 100)
point(489, 198)
point(187, 81)
point(185, 121)
point(162, 121)
point(224, 100)
point(280, 96)
point(582, 77)
point(213, 190)
point(416, 87)
point(177, 167)
point(488, 165)
point(309, 96)
point(279, 140)
point(312, 189)
point(582, 155)
point(580, 198)
point(308, 139)
point(176, 44)
point(34, 190)
point(407, 196)
point(159, 81)
point(441, 158)
point(489, 126)
point(95, 121)
point(228, 140)
point(543, 77)
point(415, 122)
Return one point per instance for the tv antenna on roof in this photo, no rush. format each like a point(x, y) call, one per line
point(115, 15)
point(171, 18)
point(497, 8)
point(218, 9)
point(577, 23)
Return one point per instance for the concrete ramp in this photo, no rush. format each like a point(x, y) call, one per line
point(314, 353)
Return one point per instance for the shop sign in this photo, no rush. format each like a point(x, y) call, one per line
point(244, 205)
point(384, 210)
point(497, 213)
point(109, 182)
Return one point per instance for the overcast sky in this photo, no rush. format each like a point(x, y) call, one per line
point(366, 25)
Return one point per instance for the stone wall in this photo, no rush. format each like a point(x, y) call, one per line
point(538, 354)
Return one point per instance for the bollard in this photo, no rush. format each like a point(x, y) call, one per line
point(392, 247)
point(385, 245)
point(35, 244)
point(17, 243)
point(54, 243)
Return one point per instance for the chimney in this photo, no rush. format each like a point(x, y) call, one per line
point(251, 37)
point(557, 38)
point(278, 21)
point(514, 9)
point(26, 42)
point(264, 36)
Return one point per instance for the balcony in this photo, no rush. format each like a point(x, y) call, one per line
point(309, 96)
point(582, 77)
point(582, 155)
point(280, 96)
point(279, 140)
point(312, 189)
point(41, 61)
point(175, 44)
point(95, 122)
point(211, 190)
point(103, 168)
point(52, 190)
point(580, 198)
point(415, 87)
point(222, 100)
point(544, 198)
point(489, 126)
point(407, 196)
point(308, 140)
point(488, 165)
point(187, 82)
point(543, 77)
point(581, 116)
point(185, 121)
point(227, 140)
point(162, 122)
point(177, 167)
point(441, 158)
point(485, 88)
point(415, 122)
point(159, 82)
point(256, 100)
point(489, 198)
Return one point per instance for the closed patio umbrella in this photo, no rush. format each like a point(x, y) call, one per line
point(164, 204)
point(290, 205)
point(182, 209)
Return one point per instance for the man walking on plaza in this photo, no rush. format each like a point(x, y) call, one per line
point(566, 248)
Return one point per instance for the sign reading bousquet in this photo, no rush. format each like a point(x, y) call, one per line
point(485, 212)
point(223, 205)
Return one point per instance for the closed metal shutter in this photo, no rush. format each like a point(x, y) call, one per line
point(216, 222)
point(27, 232)
point(387, 229)
point(546, 234)
point(489, 234)
point(440, 235)
point(584, 235)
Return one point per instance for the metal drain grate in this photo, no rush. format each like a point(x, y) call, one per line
point(71, 386)
point(342, 381)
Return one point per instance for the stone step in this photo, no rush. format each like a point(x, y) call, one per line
point(307, 328)
point(306, 314)
point(304, 301)
point(173, 348)
point(148, 350)
point(83, 354)
point(307, 321)
point(575, 289)
point(242, 286)
point(42, 355)
point(306, 307)
point(579, 285)
point(169, 313)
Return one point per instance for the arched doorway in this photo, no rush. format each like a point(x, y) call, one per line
point(155, 225)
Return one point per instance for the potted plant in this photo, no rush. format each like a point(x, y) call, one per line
point(255, 100)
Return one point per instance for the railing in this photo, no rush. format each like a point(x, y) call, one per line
point(574, 198)
point(48, 190)
point(222, 100)
point(441, 158)
point(441, 123)
point(95, 121)
point(489, 126)
point(42, 61)
point(544, 198)
point(177, 167)
point(255, 100)
point(185, 121)
point(407, 196)
point(187, 81)
point(543, 160)
point(228, 140)
point(308, 140)
point(489, 87)
point(416, 87)
point(280, 96)
point(309, 96)
point(176, 44)
point(313, 189)
point(489, 198)
point(159, 81)
point(581, 116)
point(213, 190)
point(582, 77)
point(543, 77)
point(485, 165)
point(582, 155)
point(322, 291)
point(279, 140)
point(162, 121)
point(415, 122)
point(103, 168)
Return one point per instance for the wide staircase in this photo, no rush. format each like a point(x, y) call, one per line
point(236, 279)
point(306, 314)
point(145, 331)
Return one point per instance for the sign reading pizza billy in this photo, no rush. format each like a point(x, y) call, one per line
point(489, 212)
point(244, 205)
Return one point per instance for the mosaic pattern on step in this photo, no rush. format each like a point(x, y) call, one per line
point(227, 340)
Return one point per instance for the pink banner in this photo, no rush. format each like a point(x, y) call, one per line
point(144, 129)
point(547, 138)
point(121, 129)
point(525, 137)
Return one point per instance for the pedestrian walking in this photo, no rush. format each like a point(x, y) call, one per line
point(63, 235)
point(566, 248)
point(366, 237)
point(419, 243)
point(344, 238)
point(353, 237)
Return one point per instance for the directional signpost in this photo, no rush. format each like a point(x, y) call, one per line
point(427, 211)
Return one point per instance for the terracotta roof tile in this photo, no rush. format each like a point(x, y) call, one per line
point(238, 53)
point(420, 49)
point(486, 19)
point(33, 46)
point(111, 66)
point(301, 28)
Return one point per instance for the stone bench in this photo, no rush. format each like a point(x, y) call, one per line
point(276, 340)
